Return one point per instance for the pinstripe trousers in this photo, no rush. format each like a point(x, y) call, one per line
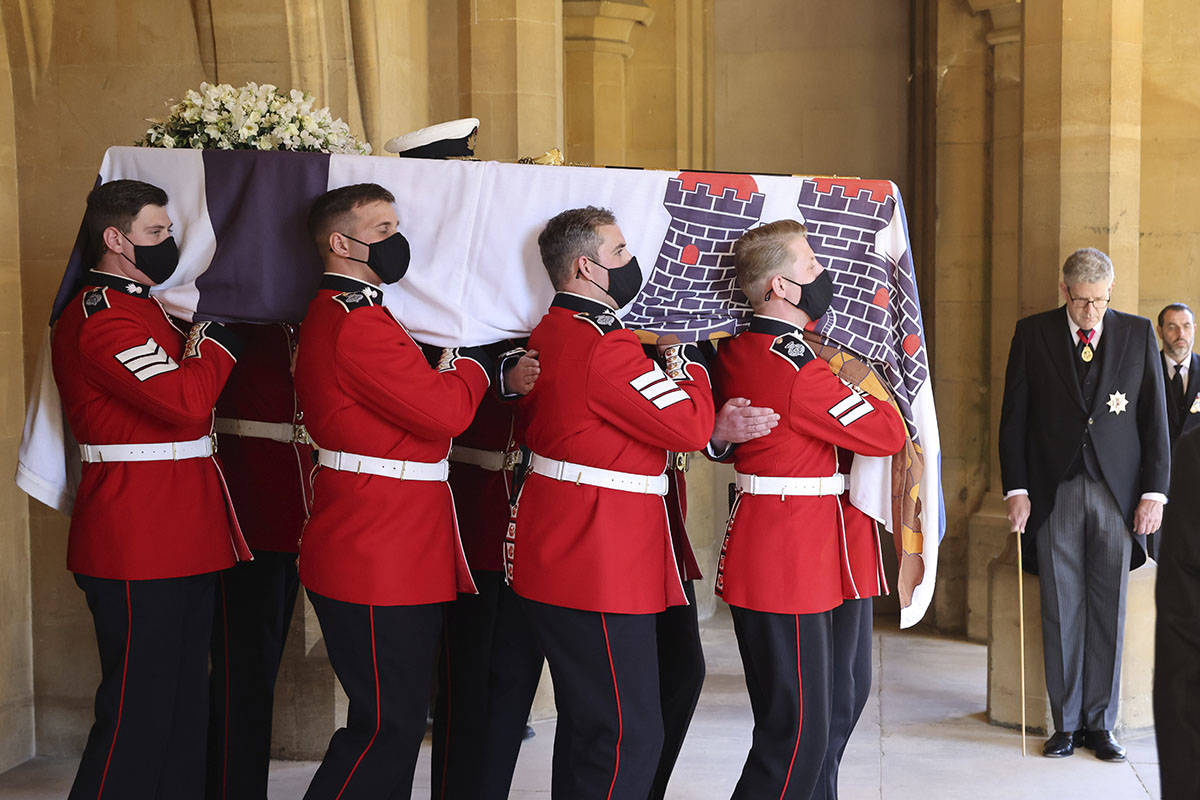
point(1083, 552)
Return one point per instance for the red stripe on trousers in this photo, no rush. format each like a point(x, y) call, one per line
point(617, 696)
point(800, 723)
point(124, 673)
point(375, 666)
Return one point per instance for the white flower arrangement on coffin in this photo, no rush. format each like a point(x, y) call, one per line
point(252, 117)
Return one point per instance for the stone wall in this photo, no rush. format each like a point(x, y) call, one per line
point(1169, 244)
point(16, 646)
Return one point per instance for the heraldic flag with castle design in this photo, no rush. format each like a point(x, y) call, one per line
point(476, 277)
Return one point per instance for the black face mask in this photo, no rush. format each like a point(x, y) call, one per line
point(387, 258)
point(156, 261)
point(623, 281)
point(817, 295)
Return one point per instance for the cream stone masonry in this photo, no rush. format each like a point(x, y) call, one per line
point(987, 528)
point(596, 47)
point(516, 76)
point(16, 634)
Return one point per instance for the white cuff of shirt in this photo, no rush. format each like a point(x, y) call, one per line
point(1016, 492)
point(1159, 496)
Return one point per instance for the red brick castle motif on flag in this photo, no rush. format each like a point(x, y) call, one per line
point(692, 292)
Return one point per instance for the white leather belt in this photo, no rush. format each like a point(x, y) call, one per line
point(387, 467)
point(492, 460)
point(595, 476)
point(761, 484)
point(275, 431)
point(162, 451)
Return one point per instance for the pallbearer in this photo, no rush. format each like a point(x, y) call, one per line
point(780, 568)
point(380, 554)
point(152, 524)
point(591, 551)
point(266, 466)
point(490, 662)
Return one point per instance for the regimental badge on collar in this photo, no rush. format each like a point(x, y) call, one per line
point(1117, 401)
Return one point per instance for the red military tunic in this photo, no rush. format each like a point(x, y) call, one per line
point(862, 563)
point(127, 375)
point(365, 388)
point(785, 555)
point(676, 499)
point(268, 479)
point(588, 547)
point(482, 494)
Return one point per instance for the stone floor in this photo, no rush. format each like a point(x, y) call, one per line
point(923, 734)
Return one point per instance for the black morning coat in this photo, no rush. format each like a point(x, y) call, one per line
point(1182, 419)
point(1044, 421)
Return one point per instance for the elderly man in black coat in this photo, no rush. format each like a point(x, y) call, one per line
point(1085, 463)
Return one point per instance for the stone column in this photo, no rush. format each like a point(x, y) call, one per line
point(1081, 160)
point(516, 69)
point(987, 529)
point(596, 44)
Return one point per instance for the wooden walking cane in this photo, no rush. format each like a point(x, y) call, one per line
point(1021, 634)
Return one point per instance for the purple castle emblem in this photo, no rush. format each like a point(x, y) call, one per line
point(875, 310)
point(692, 293)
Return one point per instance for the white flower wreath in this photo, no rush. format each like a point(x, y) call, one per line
point(252, 117)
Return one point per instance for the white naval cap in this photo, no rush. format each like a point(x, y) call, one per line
point(455, 138)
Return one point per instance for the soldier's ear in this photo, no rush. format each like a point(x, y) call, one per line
point(338, 245)
point(112, 238)
point(583, 267)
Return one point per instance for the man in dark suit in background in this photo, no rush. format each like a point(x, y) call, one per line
point(1177, 331)
point(1085, 461)
point(1177, 628)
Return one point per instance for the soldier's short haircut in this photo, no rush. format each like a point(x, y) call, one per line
point(115, 204)
point(1174, 307)
point(331, 211)
point(1087, 265)
point(762, 252)
point(569, 235)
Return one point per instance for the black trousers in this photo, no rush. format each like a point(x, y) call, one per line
point(851, 666)
point(487, 676)
point(383, 657)
point(680, 679)
point(605, 671)
point(253, 610)
point(788, 660)
point(152, 702)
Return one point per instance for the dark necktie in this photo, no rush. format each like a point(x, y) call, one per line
point(1177, 387)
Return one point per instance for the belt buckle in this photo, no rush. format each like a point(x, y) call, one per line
point(212, 437)
point(511, 459)
point(300, 434)
point(682, 461)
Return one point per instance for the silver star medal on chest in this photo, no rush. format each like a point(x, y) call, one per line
point(1117, 401)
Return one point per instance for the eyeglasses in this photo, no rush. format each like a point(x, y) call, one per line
point(1098, 303)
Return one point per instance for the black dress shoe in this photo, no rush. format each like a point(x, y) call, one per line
point(1104, 745)
point(1060, 745)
